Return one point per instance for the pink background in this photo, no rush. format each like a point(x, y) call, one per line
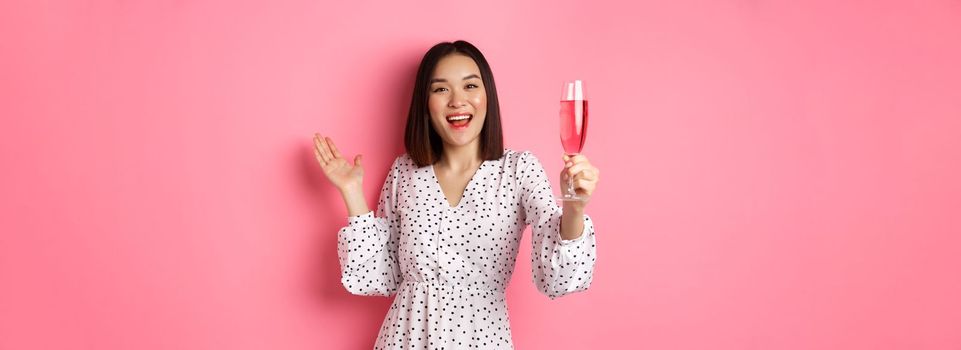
point(777, 174)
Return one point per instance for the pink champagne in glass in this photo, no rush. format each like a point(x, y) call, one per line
point(573, 128)
point(573, 125)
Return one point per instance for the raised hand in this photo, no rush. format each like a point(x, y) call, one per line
point(341, 173)
point(585, 176)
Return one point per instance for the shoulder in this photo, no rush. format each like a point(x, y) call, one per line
point(520, 158)
point(522, 161)
point(403, 162)
point(402, 167)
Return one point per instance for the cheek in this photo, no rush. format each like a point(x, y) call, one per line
point(480, 105)
point(479, 101)
point(435, 106)
point(432, 103)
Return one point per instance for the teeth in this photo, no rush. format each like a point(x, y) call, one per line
point(459, 117)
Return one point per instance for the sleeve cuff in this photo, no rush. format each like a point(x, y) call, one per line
point(360, 219)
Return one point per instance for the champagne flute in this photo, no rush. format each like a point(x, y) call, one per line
point(573, 129)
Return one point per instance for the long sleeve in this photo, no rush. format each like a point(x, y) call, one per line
point(367, 246)
point(559, 267)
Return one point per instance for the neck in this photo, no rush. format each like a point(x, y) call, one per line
point(461, 158)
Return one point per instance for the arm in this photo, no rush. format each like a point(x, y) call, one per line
point(367, 246)
point(355, 201)
point(572, 223)
point(559, 266)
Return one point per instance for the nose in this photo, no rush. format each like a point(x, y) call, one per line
point(457, 100)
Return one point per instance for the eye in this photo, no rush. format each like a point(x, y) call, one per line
point(439, 89)
point(471, 86)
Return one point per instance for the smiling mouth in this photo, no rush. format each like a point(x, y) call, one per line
point(460, 121)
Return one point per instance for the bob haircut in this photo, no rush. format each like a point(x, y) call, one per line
point(423, 143)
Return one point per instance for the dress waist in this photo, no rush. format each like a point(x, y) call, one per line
point(435, 284)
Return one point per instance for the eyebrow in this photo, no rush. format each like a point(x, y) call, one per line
point(439, 80)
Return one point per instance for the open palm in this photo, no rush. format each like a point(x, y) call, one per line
point(340, 172)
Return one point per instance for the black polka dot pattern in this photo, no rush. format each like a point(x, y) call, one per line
point(449, 266)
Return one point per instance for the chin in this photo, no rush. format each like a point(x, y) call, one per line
point(458, 141)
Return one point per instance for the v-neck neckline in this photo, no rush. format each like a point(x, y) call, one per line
point(441, 189)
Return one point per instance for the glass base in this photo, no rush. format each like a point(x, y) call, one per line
point(567, 198)
point(568, 194)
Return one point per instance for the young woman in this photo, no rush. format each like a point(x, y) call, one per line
point(451, 213)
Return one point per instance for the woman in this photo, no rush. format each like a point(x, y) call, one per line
point(451, 213)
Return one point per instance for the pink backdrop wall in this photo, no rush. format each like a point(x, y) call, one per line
point(777, 174)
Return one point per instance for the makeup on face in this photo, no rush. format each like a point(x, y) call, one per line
point(457, 94)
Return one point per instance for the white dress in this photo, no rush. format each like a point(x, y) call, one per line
point(449, 266)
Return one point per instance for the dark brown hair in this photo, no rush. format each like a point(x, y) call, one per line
point(423, 143)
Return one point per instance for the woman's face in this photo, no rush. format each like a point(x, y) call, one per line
point(457, 92)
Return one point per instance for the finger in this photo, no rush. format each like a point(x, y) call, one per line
point(320, 159)
point(324, 151)
point(317, 151)
point(578, 158)
point(333, 148)
point(578, 167)
point(584, 185)
point(587, 174)
point(579, 183)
